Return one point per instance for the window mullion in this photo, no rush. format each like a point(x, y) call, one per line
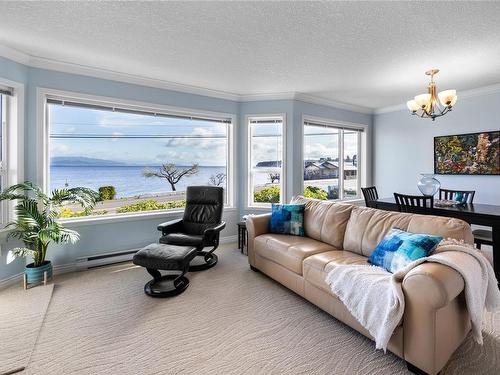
point(341, 164)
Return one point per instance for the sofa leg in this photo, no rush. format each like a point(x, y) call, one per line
point(415, 370)
point(254, 269)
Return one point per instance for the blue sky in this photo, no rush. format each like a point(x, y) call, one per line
point(207, 145)
point(209, 148)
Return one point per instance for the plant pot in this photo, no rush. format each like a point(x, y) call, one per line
point(35, 274)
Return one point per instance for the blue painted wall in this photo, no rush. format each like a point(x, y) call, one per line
point(294, 111)
point(19, 73)
point(97, 238)
point(404, 147)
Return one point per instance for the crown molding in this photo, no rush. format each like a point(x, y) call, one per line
point(391, 108)
point(14, 55)
point(60, 66)
point(267, 96)
point(307, 98)
point(71, 68)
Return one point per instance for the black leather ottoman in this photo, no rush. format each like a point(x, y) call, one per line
point(157, 257)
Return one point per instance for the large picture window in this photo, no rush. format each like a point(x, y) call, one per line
point(266, 177)
point(138, 160)
point(332, 162)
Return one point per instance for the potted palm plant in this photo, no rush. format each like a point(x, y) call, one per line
point(36, 223)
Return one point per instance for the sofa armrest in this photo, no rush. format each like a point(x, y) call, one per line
point(435, 320)
point(256, 226)
point(433, 284)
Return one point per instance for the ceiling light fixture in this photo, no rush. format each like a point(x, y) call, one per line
point(431, 105)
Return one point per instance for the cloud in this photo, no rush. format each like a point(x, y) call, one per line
point(58, 148)
point(266, 149)
point(115, 136)
point(117, 119)
point(204, 140)
point(318, 150)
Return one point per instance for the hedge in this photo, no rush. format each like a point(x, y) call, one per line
point(107, 193)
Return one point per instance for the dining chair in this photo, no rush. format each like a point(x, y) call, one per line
point(481, 236)
point(370, 194)
point(464, 196)
point(419, 204)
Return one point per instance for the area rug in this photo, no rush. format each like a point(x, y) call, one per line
point(21, 316)
point(230, 320)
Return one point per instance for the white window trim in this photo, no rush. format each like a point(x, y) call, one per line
point(249, 204)
point(43, 93)
point(14, 152)
point(363, 170)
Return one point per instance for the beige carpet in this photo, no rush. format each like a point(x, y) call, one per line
point(229, 321)
point(21, 316)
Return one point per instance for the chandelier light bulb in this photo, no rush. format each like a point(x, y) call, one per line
point(412, 105)
point(423, 100)
point(448, 97)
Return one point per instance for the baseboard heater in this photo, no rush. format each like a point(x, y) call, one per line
point(100, 260)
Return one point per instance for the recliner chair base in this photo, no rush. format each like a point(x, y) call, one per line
point(203, 261)
point(166, 286)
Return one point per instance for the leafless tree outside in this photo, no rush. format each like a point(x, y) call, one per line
point(171, 173)
point(217, 179)
point(274, 177)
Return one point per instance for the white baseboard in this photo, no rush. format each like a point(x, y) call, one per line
point(11, 280)
point(79, 265)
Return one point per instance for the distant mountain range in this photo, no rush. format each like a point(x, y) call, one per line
point(80, 161)
point(268, 164)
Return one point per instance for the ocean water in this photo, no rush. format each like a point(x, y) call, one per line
point(128, 180)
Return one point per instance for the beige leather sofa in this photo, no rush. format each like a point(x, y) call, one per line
point(435, 321)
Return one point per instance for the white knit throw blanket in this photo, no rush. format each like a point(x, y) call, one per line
point(375, 297)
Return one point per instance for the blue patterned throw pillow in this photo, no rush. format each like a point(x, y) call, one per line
point(399, 248)
point(288, 219)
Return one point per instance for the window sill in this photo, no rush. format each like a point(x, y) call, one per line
point(111, 219)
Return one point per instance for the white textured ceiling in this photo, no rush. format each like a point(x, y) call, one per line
point(371, 54)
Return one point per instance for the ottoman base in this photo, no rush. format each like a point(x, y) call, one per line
point(165, 286)
point(171, 286)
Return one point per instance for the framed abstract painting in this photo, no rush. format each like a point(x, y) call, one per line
point(468, 154)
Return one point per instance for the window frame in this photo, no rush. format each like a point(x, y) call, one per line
point(13, 144)
point(250, 204)
point(43, 152)
point(361, 157)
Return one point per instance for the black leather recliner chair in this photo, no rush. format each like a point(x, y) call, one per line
point(200, 226)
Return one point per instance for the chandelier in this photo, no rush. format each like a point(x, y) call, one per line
point(431, 105)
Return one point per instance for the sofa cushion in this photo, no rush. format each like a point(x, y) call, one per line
point(288, 251)
point(325, 221)
point(368, 226)
point(399, 248)
point(287, 219)
point(316, 267)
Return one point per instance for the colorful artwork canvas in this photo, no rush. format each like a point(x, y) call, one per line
point(474, 154)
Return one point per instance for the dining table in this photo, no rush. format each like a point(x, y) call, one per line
point(473, 213)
